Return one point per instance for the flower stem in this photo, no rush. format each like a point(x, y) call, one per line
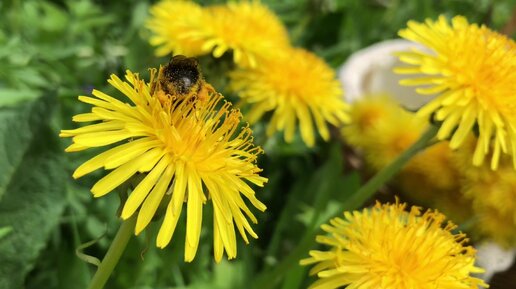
point(385, 174)
point(113, 254)
point(269, 279)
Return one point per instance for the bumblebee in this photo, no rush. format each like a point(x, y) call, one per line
point(182, 79)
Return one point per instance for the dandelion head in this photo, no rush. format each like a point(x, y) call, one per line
point(436, 162)
point(389, 247)
point(473, 71)
point(380, 129)
point(297, 87)
point(177, 27)
point(187, 151)
point(493, 225)
point(247, 28)
point(365, 114)
point(492, 193)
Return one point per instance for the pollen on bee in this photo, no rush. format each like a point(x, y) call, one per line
point(181, 79)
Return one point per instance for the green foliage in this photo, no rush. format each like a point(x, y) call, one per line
point(32, 204)
point(66, 48)
point(18, 126)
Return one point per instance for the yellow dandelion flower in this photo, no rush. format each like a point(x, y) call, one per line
point(494, 189)
point(493, 194)
point(296, 86)
point(381, 130)
point(365, 115)
point(178, 27)
point(189, 151)
point(248, 28)
point(386, 247)
point(432, 179)
point(473, 69)
point(496, 226)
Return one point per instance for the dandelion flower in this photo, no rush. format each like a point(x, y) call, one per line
point(494, 225)
point(189, 152)
point(248, 29)
point(178, 27)
point(493, 195)
point(386, 247)
point(473, 71)
point(296, 86)
point(381, 130)
point(365, 115)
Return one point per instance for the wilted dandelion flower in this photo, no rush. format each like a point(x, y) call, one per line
point(386, 247)
point(473, 69)
point(188, 150)
point(296, 86)
point(178, 27)
point(248, 28)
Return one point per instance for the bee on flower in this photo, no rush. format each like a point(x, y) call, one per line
point(182, 79)
point(185, 140)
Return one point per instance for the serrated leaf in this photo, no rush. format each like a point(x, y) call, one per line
point(33, 202)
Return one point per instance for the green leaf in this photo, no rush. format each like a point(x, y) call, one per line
point(31, 206)
point(17, 128)
point(13, 96)
point(4, 231)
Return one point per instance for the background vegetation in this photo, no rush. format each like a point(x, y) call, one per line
point(53, 51)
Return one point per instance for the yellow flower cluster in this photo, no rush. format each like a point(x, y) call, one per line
point(387, 247)
point(299, 88)
point(471, 69)
point(185, 150)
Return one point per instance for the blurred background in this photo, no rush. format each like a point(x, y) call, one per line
point(53, 51)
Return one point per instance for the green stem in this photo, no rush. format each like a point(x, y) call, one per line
point(113, 254)
point(269, 279)
point(384, 175)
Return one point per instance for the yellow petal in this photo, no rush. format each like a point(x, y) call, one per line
point(99, 161)
point(305, 124)
point(130, 151)
point(143, 188)
point(194, 215)
point(103, 126)
point(98, 139)
point(153, 200)
point(124, 172)
point(85, 117)
point(218, 247)
point(174, 208)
